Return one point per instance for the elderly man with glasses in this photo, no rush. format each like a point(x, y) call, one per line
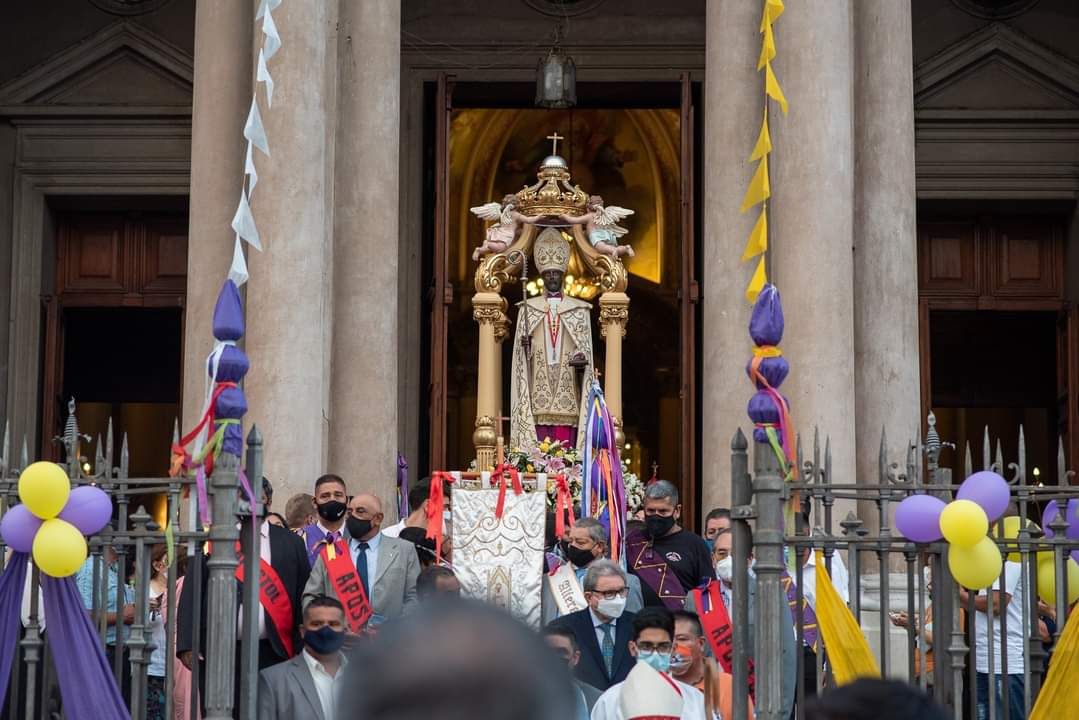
point(604, 628)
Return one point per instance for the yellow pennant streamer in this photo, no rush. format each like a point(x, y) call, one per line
point(1060, 691)
point(768, 47)
point(764, 140)
point(772, 89)
point(756, 284)
point(772, 10)
point(848, 651)
point(758, 239)
point(759, 190)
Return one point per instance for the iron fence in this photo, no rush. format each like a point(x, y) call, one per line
point(124, 548)
point(877, 558)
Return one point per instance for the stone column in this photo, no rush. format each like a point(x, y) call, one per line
point(289, 297)
point(363, 426)
point(222, 93)
point(733, 106)
point(811, 214)
point(886, 371)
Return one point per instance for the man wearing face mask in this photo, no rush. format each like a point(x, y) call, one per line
point(330, 498)
point(603, 628)
point(373, 576)
point(691, 665)
point(652, 643)
point(669, 560)
point(308, 685)
point(418, 497)
point(562, 588)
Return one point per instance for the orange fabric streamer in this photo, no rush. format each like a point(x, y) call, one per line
point(500, 476)
point(786, 426)
point(181, 459)
point(436, 505)
point(563, 505)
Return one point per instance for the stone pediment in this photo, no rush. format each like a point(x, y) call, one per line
point(123, 64)
point(997, 68)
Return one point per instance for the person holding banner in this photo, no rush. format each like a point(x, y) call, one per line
point(562, 588)
point(374, 576)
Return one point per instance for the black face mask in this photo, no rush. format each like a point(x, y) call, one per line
point(579, 556)
point(325, 640)
point(331, 511)
point(658, 526)
point(357, 528)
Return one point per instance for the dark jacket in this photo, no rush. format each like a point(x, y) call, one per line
point(591, 669)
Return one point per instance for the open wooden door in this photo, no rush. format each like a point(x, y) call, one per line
point(440, 292)
point(1068, 386)
point(689, 296)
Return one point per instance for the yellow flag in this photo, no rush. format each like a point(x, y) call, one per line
point(848, 651)
point(772, 10)
point(756, 283)
point(1060, 691)
point(759, 190)
point(758, 239)
point(771, 87)
point(764, 140)
point(768, 47)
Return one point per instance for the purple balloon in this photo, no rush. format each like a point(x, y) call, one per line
point(989, 490)
point(1071, 516)
point(18, 527)
point(88, 508)
point(918, 518)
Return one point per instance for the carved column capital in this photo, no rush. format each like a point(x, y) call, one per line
point(613, 312)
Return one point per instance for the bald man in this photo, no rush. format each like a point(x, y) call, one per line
point(386, 568)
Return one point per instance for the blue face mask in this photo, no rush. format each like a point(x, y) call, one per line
point(710, 544)
point(324, 641)
point(658, 661)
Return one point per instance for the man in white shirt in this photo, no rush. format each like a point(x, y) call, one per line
point(838, 573)
point(652, 643)
point(418, 498)
point(290, 689)
point(1012, 598)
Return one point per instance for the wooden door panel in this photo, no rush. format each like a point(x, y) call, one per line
point(90, 256)
point(164, 258)
point(948, 259)
point(1026, 259)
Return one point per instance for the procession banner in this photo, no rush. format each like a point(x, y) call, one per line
point(500, 561)
point(566, 590)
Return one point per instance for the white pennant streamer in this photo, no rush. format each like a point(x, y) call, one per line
point(273, 41)
point(266, 5)
point(250, 171)
point(262, 74)
point(238, 269)
point(253, 129)
point(243, 222)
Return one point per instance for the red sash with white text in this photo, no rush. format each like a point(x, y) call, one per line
point(717, 628)
point(274, 599)
point(346, 583)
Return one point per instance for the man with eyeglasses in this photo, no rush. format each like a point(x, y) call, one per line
point(652, 643)
point(603, 628)
point(669, 560)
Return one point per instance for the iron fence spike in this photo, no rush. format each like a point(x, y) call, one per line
point(999, 462)
point(1062, 463)
point(109, 445)
point(739, 442)
point(968, 462)
point(24, 455)
point(5, 458)
point(882, 457)
point(125, 457)
point(1022, 474)
point(987, 450)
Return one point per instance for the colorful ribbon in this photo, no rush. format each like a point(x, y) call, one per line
point(785, 426)
point(436, 505)
point(503, 475)
point(563, 505)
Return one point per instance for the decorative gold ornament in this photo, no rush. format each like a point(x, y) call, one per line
point(553, 194)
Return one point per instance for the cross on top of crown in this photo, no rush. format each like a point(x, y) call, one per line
point(554, 142)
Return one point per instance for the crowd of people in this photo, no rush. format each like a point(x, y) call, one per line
point(612, 628)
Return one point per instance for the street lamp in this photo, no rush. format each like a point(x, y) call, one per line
point(556, 78)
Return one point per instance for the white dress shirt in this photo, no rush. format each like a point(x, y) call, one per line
point(597, 623)
point(372, 558)
point(840, 579)
point(327, 686)
point(394, 530)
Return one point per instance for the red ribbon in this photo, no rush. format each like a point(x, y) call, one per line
point(786, 428)
point(563, 504)
point(181, 459)
point(500, 474)
point(436, 505)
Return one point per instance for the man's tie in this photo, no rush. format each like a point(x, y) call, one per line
point(608, 647)
point(331, 537)
point(361, 568)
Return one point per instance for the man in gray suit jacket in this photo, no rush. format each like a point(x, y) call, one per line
point(388, 566)
point(308, 686)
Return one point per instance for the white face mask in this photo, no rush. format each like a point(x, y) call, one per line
point(725, 569)
point(612, 608)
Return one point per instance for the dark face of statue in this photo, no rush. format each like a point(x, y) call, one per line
point(552, 281)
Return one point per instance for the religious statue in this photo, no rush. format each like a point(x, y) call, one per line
point(552, 354)
point(602, 226)
point(500, 235)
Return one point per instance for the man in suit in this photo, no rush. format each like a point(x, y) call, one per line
point(603, 629)
point(388, 567)
point(563, 643)
point(287, 556)
point(308, 685)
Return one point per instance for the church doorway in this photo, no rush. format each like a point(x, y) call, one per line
point(631, 143)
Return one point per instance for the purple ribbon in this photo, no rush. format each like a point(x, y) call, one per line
point(12, 583)
point(402, 487)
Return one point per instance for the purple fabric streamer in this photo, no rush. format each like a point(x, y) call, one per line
point(402, 487)
point(766, 322)
point(774, 370)
point(229, 313)
point(87, 685)
point(231, 404)
point(12, 583)
point(232, 366)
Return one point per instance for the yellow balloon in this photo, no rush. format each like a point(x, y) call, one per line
point(975, 567)
point(43, 489)
point(1047, 580)
point(1011, 532)
point(59, 548)
point(963, 522)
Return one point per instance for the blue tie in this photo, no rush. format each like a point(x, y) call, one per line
point(361, 568)
point(607, 648)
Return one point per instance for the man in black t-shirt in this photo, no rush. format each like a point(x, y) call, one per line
point(669, 561)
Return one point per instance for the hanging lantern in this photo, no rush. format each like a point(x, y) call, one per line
point(556, 80)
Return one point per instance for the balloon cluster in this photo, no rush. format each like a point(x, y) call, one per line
point(52, 519)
